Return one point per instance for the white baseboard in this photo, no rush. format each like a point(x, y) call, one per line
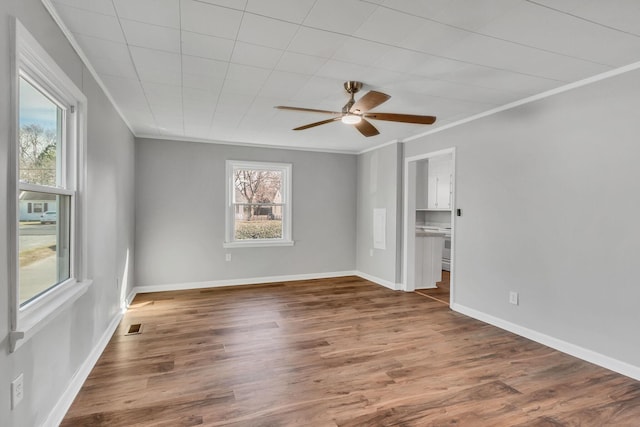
point(238, 282)
point(379, 281)
point(64, 403)
point(591, 356)
point(130, 297)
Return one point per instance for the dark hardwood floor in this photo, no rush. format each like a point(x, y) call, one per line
point(335, 352)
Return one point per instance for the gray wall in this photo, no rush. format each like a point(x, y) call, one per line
point(51, 357)
point(380, 186)
point(549, 195)
point(180, 214)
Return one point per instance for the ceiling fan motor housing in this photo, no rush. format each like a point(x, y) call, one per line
point(352, 87)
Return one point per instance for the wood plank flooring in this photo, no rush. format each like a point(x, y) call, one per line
point(335, 352)
point(442, 291)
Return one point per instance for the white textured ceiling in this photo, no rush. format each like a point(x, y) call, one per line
point(214, 69)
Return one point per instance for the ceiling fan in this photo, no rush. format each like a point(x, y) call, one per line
point(357, 112)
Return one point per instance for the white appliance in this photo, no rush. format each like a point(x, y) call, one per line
point(446, 252)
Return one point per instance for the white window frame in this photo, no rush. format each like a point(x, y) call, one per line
point(285, 192)
point(30, 61)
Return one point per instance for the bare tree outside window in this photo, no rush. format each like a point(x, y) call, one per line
point(37, 154)
point(258, 204)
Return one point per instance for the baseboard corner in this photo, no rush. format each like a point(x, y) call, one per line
point(377, 280)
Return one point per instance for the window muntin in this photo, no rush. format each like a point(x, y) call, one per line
point(259, 208)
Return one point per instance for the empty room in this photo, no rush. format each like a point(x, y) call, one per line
point(319, 213)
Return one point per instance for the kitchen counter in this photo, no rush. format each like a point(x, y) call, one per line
point(429, 233)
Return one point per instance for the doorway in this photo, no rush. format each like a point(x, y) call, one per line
point(418, 212)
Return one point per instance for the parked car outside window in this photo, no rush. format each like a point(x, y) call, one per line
point(48, 217)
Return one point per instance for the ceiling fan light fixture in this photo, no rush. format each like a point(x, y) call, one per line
point(351, 119)
point(358, 112)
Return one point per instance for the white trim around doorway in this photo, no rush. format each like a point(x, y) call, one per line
point(410, 221)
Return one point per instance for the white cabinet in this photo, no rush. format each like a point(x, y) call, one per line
point(440, 182)
point(428, 261)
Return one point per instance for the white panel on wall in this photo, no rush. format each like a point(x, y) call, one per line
point(379, 228)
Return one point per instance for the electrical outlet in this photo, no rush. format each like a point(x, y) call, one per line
point(17, 391)
point(227, 257)
point(513, 298)
point(370, 252)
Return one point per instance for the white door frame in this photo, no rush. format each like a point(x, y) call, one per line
point(408, 260)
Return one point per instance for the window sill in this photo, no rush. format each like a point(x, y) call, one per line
point(31, 320)
point(258, 243)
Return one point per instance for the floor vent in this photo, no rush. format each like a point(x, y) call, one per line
point(134, 329)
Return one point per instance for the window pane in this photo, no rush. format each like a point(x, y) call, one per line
point(257, 186)
point(39, 137)
point(43, 244)
point(258, 204)
point(265, 221)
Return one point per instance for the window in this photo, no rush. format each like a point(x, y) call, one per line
point(43, 246)
point(258, 204)
point(47, 162)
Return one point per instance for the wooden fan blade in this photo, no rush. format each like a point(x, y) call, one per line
point(405, 118)
point(368, 101)
point(310, 125)
point(311, 110)
point(366, 128)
